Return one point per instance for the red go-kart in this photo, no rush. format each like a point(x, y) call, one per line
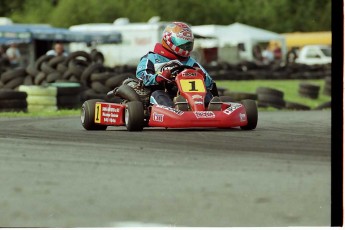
point(189, 110)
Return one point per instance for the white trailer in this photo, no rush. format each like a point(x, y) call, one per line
point(137, 40)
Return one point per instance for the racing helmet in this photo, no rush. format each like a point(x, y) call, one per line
point(178, 38)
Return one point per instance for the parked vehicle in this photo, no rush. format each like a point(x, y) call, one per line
point(315, 55)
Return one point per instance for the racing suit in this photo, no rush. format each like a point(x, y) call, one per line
point(154, 62)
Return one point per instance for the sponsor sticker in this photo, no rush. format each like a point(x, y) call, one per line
point(158, 117)
point(106, 113)
point(204, 114)
point(176, 111)
point(188, 74)
point(231, 109)
point(197, 96)
point(242, 117)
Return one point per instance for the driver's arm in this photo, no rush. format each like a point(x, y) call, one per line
point(146, 70)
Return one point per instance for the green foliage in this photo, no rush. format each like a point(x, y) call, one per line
point(278, 15)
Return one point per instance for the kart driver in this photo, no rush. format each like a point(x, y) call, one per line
point(154, 68)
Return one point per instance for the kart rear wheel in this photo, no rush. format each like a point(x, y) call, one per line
point(87, 115)
point(252, 114)
point(134, 116)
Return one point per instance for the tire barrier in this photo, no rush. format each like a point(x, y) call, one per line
point(257, 71)
point(325, 105)
point(94, 80)
point(308, 90)
point(269, 97)
point(40, 98)
point(68, 95)
point(13, 101)
point(78, 77)
point(295, 106)
point(238, 96)
point(327, 90)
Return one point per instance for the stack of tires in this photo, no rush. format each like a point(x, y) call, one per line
point(239, 96)
point(67, 94)
point(12, 79)
point(40, 98)
point(327, 90)
point(269, 97)
point(308, 90)
point(12, 101)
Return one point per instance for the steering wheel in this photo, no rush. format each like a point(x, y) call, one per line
point(178, 69)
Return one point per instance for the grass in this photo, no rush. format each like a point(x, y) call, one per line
point(289, 87)
point(59, 113)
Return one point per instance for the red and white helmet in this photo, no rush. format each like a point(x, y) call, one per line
point(178, 37)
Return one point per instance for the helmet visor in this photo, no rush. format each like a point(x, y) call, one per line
point(187, 46)
point(182, 43)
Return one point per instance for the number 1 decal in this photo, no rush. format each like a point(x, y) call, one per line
point(192, 83)
point(97, 113)
point(196, 85)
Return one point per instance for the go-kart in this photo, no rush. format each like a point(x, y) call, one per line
point(189, 108)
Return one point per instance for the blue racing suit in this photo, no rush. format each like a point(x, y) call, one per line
point(152, 64)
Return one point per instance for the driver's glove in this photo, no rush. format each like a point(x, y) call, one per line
point(163, 76)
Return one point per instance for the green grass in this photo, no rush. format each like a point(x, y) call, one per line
point(59, 113)
point(289, 87)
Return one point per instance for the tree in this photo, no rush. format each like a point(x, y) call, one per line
point(279, 15)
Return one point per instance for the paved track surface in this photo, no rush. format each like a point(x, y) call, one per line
point(55, 174)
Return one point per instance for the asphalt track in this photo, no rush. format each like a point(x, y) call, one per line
point(55, 174)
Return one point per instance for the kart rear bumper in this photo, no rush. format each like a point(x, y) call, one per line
point(233, 116)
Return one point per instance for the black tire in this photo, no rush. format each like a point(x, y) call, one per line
point(40, 60)
point(14, 83)
point(296, 106)
point(97, 56)
point(68, 102)
point(252, 114)
point(12, 94)
point(77, 54)
point(325, 105)
point(117, 80)
point(93, 68)
point(134, 116)
point(271, 100)
point(101, 77)
point(46, 68)
point(308, 92)
point(62, 68)
point(28, 80)
point(13, 103)
point(91, 94)
point(56, 60)
point(31, 70)
point(11, 74)
point(87, 115)
point(267, 90)
point(53, 76)
point(99, 87)
point(40, 77)
point(238, 96)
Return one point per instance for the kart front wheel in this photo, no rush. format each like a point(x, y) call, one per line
point(252, 114)
point(87, 115)
point(134, 116)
